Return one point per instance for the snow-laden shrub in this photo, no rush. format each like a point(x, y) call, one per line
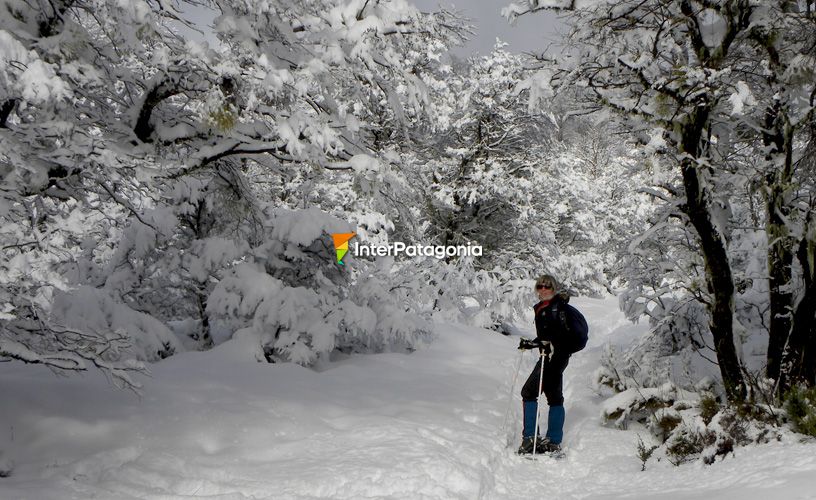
point(379, 316)
point(287, 321)
point(299, 324)
point(644, 452)
point(605, 379)
point(92, 312)
point(649, 363)
point(293, 302)
point(684, 435)
point(645, 404)
point(685, 443)
point(663, 422)
point(800, 403)
point(678, 347)
point(493, 299)
point(709, 407)
point(687, 423)
point(697, 439)
point(86, 327)
point(728, 430)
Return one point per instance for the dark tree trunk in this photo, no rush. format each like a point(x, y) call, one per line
point(778, 136)
point(5, 110)
point(204, 338)
point(799, 358)
point(719, 277)
point(780, 260)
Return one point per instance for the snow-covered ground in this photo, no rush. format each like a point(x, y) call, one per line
point(427, 425)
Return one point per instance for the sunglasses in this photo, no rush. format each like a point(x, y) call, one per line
point(541, 286)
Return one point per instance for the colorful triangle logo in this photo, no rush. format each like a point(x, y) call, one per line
point(341, 245)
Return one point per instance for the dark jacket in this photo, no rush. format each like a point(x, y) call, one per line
point(550, 325)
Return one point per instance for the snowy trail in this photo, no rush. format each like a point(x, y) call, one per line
point(601, 461)
point(421, 426)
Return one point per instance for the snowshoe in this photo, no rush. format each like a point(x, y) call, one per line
point(544, 447)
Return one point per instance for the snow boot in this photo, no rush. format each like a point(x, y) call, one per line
point(526, 447)
point(544, 445)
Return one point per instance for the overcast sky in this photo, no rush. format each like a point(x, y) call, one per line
point(530, 33)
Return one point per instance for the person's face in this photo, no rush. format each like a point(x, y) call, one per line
point(545, 291)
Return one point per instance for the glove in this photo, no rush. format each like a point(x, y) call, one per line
point(543, 346)
point(527, 344)
point(547, 349)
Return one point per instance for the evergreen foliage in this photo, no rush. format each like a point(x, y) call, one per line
point(800, 404)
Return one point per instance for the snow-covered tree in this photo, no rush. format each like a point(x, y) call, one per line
point(701, 81)
point(508, 175)
point(130, 154)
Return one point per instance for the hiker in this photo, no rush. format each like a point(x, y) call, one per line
point(560, 331)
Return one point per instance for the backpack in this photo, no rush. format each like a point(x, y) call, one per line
point(578, 331)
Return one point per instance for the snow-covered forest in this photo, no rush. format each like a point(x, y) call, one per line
point(169, 189)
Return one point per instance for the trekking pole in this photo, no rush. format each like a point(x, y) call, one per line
point(538, 406)
point(510, 396)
